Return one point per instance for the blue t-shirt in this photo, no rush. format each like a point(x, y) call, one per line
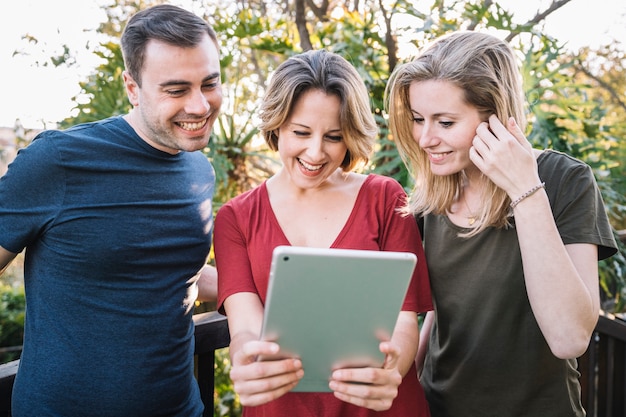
point(115, 233)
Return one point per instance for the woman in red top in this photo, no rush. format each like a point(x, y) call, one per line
point(316, 114)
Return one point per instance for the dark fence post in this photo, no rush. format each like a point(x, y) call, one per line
point(211, 334)
point(7, 377)
point(603, 369)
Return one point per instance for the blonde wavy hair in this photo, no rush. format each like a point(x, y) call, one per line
point(331, 73)
point(485, 68)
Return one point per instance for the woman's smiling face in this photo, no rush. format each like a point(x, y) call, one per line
point(310, 142)
point(444, 125)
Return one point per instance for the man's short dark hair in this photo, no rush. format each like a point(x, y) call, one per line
point(166, 23)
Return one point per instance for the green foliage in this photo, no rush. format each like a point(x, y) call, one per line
point(562, 118)
point(12, 312)
point(238, 165)
point(226, 401)
point(103, 94)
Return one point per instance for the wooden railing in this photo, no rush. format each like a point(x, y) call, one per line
point(7, 376)
point(602, 367)
point(211, 334)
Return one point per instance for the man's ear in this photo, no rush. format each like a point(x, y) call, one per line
point(132, 89)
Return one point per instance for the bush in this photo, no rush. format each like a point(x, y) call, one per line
point(226, 401)
point(12, 312)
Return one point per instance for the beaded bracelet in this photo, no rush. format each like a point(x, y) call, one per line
point(527, 194)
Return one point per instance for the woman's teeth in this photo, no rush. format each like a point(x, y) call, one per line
point(310, 167)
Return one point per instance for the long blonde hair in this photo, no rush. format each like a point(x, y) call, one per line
point(485, 68)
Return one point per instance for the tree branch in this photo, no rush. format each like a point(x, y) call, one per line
point(555, 5)
point(305, 39)
point(476, 20)
point(320, 12)
point(616, 96)
point(390, 40)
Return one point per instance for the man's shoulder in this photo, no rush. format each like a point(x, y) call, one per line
point(111, 123)
point(84, 129)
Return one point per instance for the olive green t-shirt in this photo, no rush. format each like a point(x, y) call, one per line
point(487, 356)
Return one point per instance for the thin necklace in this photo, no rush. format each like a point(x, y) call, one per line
point(471, 219)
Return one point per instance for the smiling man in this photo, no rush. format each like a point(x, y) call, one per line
point(116, 220)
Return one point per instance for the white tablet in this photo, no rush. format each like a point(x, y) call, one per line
point(332, 307)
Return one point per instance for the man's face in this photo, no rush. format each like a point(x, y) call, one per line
point(179, 98)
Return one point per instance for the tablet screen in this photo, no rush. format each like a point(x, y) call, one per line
point(332, 307)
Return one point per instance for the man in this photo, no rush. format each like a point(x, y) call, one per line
point(116, 220)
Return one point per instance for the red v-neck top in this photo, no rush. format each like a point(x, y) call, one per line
point(245, 234)
point(247, 231)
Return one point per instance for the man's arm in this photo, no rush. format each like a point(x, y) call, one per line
point(5, 258)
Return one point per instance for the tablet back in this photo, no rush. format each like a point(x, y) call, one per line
point(332, 307)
